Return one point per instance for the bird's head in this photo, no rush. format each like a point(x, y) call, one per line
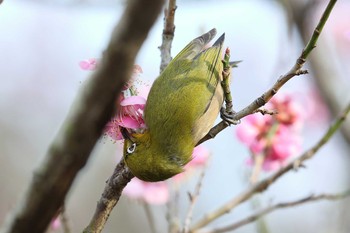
point(146, 159)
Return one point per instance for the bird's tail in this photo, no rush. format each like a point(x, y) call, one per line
point(197, 45)
point(220, 41)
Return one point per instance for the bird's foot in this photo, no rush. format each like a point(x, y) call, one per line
point(228, 117)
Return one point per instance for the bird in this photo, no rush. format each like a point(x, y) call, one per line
point(182, 106)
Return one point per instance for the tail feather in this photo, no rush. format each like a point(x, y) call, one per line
point(219, 41)
point(196, 46)
point(205, 38)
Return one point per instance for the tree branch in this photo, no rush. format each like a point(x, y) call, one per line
point(168, 34)
point(82, 128)
point(110, 197)
point(193, 199)
point(264, 184)
point(323, 63)
point(295, 71)
point(259, 214)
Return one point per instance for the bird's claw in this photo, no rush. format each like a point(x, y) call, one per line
point(227, 117)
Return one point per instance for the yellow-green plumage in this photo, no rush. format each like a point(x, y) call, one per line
point(182, 105)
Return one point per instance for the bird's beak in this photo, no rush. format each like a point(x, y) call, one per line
point(125, 133)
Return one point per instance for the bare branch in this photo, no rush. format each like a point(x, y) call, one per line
point(259, 214)
point(172, 215)
point(85, 122)
point(258, 164)
point(264, 111)
point(110, 197)
point(323, 63)
point(168, 34)
point(150, 217)
point(294, 71)
point(193, 199)
point(264, 184)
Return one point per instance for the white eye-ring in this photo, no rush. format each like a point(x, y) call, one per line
point(131, 148)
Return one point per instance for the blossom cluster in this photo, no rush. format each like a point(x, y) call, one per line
point(277, 136)
point(131, 103)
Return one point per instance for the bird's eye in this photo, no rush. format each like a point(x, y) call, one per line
point(131, 148)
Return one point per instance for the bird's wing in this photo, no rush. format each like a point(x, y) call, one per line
point(183, 93)
point(211, 69)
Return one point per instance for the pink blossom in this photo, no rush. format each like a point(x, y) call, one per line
point(251, 131)
point(130, 115)
point(130, 111)
point(155, 193)
point(88, 64)
point(276, 137)
point(200, 156)
point(285, 144)
point(288, 110)
point(137, 101)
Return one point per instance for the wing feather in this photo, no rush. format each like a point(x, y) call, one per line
point(183, 93)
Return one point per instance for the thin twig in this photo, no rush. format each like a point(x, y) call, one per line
point(264, 111)
point(323, 63)
point(172, 215)
point(150, 217)
point(259, 214)
point(258, 163)
point(193, 199)
point(264, 184)
point(295, 71)
point(261, 225)
point(168, 34)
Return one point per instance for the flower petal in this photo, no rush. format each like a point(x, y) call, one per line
point(129, 122)
point(200, 156)
point(133, 100)
point(156, 193)
point(88, 64)
point(151, 193)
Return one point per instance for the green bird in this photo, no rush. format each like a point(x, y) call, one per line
point(181, 108)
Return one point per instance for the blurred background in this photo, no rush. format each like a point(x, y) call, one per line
point(42, 42)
